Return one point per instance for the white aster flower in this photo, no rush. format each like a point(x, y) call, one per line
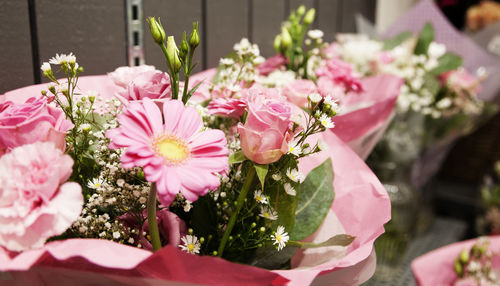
point(326, 121)
point(187, 206)
point(190, 244)
point(268, 213)
point(116, 235)
point(226, 61)
point(333, 103)
point(322, 145)
point(259, 197)
point(60, 59)
point(436, 50)
point(45, 67)
point(295, 175)
point(85, 127)
point(315, 97)
point(95, 184)
point(276, 176)
point(289, 189)
point(294, 148)
point(315, 34)
point(280, 237)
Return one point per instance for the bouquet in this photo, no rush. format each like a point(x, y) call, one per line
point(150, 165)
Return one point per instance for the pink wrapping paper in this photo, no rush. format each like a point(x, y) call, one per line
point(361, 208)
point(436, 267)
point(368, 114)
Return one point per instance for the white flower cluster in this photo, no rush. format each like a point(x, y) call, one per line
point(359, 50)
point(277, 78)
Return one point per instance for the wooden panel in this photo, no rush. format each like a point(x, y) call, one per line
point(350, 8)
point(15, 46)
point(227, 23)
point(176, 17)
point(94, 30)
point(328, 18)
point(266, 24)
point(294, 4)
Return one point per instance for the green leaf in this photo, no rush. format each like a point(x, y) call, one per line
point(261, 173)
point(269, 258)
point(400, 38)
point(431, 84)
point(190, 93)
point(337, 240)
point(447, 62)
point(237, 157)
point(316, 197)
point(425, 39)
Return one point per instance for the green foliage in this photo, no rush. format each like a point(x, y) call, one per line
point(447, 62)
point(400, 38)
point(315, 200)
point(261, 173)
point(425, 39)
point(237, 157)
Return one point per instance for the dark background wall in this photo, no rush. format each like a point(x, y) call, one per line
point(95, 30)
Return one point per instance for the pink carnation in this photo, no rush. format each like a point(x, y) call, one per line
point(32, 121)
point(172, 149)
point(149, 84)
point(122, 76)
point(461, 79)
point(298, 91)
point(230, 107)
point(35, 201)
point(170, 226)
point(264, 137)
point(340, 73)
point(271, 64)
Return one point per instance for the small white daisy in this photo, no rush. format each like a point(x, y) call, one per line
point(280, 237)
point(315, 34)
point(289, 189)
point(334, 106)
point(259, 197)
point(116, 235)
point(62, 59)
point(187, 206)
point(268, 213)
point(45, 67)
point(276, 176)
point(190, 244)
point(85, 127)
point(315, 97)
point(322, 145)
point(95, 184)
point(326, 121)
point(226, 61)
point(295, 175)
point(294, 149)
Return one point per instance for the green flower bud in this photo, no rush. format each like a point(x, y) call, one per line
point(301, 10)
point(286, 39)
point(173, 54)
point(459, 269)
point(464, 256)
point(156, 30)
point(202, 239)
point(277, 43)
point(309, 17)
point(91, 98)
point(184, 49)
point(194, 39)
point(44, 92)
point(79, 69)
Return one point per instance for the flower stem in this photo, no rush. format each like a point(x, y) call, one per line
point(234, 215)
point(153, 226)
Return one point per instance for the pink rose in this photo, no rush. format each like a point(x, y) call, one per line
point(264, 137)
point(151, 84)
point(230, 107)
point(122, 76)
point(32, 121)
point(36, 203)
point(341, 73)
point(469, 281)
point(461, 79)
point(271, 64)
point(170, 226)
point(297, 91)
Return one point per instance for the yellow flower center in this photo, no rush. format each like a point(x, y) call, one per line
point(259, 198)
point(278, 237)
point(190, 247)
point(173, 149)
point(266, 215)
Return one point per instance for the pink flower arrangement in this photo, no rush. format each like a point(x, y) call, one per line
point(271, 64)
point(151, 84)
point(122, 76)
point(297, 91)
point(36, 202)
point(172, 148)
point(340, 73)
point(230, 107)
point(31, 121)
point(461, 79)
point(265, 135)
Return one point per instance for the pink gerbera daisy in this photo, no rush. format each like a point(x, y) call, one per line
point(172, 149)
